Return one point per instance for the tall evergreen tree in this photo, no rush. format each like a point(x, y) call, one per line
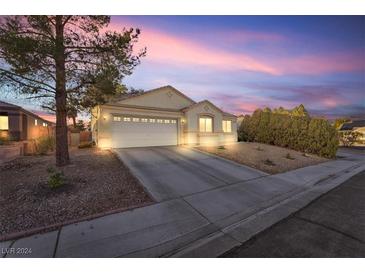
point(67, 61)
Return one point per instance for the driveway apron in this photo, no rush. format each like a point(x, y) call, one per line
point(172, 172)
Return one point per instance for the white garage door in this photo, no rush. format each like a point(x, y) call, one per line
point(143, 131)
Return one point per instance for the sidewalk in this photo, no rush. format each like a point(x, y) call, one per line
point(204, 224)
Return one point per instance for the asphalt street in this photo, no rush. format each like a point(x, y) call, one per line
point(331, 226)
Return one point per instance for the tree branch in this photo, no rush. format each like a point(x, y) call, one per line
point(67, 19)
point(9, 74)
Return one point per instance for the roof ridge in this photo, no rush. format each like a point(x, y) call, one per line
point(26, 111)
point(10, 104)
point(153, 90)
point(207, 101)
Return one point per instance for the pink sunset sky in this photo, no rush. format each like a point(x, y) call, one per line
point(241, 63)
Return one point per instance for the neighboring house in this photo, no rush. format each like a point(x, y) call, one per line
point(357, 125)
point(161, 117)
point(18, 124)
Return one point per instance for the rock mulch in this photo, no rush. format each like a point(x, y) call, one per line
point(95, 182)
point(268, 158)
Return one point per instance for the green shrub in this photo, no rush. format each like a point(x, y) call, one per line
point(292, 129)
point(56, 179)
point(44, 144)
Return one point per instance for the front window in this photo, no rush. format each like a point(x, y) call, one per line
point(205, 124)
point(227, 126)
point(35, 122)
point(4, 122)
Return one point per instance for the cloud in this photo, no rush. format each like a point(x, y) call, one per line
point(353, 111)
point(321, 64)
point(248, 75)
point(247, 36)
point(170, 49)
point(177, 50)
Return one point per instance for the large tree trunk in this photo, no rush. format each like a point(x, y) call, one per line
point(62, 155)
point(74, 121)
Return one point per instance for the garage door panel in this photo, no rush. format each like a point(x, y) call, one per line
point(140, 134)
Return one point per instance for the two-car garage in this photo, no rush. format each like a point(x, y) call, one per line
point(132, 131)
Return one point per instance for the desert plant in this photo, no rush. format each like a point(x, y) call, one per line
point(288, 156)
point(56, 178)
point(44, 144)
point(269, 162)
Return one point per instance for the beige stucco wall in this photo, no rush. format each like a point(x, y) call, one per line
point(163, 98)
point(191, 129)
point(187, 122)
point(192, 117)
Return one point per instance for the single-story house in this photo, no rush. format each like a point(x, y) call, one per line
point(356, 125)
point(19, 124)
point(161, 117)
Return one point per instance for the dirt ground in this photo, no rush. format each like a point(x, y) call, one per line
point(95, 182)
point(270, 159)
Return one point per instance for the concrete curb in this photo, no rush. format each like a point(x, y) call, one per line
point(236, 234)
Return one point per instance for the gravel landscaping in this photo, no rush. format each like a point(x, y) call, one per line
point(270, 159)
point(95, 182)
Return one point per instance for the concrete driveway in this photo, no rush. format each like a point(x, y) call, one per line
point(172, 172)
point(218, 205)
